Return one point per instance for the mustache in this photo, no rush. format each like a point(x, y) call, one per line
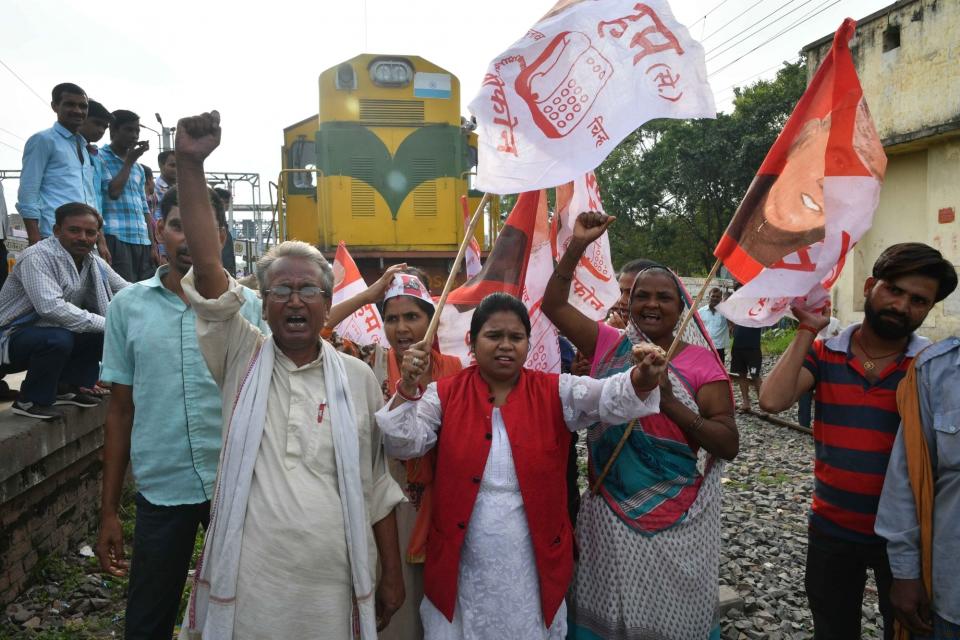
point(893, 314)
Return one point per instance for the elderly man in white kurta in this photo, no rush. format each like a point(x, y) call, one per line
point(304, 503)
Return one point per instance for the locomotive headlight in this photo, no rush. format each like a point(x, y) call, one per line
point(391, 73)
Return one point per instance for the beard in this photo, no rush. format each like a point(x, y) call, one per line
point(889, 325)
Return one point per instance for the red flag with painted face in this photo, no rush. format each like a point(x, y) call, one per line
point(812, 199)
point(520, 263)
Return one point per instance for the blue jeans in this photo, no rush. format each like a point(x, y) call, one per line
point(163, 538)
point(942, 630)
point(50, 356)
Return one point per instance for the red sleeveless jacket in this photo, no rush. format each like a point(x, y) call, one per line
point(539, 441)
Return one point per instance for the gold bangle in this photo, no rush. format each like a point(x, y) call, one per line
point(695, 425)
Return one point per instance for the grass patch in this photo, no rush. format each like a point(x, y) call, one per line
point(765, 477)
point(736, 484)
point(774, 342)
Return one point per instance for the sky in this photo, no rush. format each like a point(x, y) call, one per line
point(258, 62)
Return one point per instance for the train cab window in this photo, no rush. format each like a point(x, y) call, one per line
point(473, 157)
point(303, 155)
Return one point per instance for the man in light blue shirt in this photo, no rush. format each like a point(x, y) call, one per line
point(165, 420)
point(56, 166)
point(938, 373)
point(716, 323)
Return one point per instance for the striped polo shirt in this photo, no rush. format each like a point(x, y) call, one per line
point(855, 424)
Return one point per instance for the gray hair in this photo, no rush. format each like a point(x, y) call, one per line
point(296, 249)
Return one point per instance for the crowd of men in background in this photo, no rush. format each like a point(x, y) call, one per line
point(57, 302)
point(97, 221)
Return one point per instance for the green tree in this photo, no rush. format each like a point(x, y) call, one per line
point(675, 184)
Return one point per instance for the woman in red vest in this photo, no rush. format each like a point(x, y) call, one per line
point(406, 308)
point(500, 546)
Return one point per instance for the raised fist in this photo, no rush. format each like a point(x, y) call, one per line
point(590, 225)
point(197, 136)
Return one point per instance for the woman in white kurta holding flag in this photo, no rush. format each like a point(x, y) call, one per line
point(500, 548)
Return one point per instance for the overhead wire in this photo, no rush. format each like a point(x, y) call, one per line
point(816, 11)
point(734, 19)
point(11, 146)
point(11, 133)
point(723, 2)
point(740, 83)
point(711, 55)
point(22, 81)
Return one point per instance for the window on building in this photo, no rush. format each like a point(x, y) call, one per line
point(891, 38)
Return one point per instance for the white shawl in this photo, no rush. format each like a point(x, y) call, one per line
point(210, 613)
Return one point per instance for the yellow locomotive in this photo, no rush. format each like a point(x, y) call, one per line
point(383, 167)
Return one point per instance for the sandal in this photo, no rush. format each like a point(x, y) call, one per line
point(96, 391)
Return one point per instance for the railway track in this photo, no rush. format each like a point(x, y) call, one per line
point(780, 421)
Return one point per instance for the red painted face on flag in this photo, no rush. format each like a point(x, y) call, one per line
point(783, 213)
point(829, 134)
point(812, 199)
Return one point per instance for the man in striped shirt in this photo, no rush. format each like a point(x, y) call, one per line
point(125, 209)
point(855, 377)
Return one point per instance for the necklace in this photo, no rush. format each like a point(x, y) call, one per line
point(870, 363)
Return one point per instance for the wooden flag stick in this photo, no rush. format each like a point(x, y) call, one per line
point(468, 233)
point(673, 349)
point(693, 309)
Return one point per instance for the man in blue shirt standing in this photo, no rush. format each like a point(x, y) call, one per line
point(56, 167)
point(902, 521)
point(165, 420)
point(716, 322)
point(94, 127)
point(125, 209)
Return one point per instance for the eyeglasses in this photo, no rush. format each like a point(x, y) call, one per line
point(282, 293)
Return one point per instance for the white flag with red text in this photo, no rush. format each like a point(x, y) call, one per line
point(520, 263)
point(594, 288)
point(559, 99)
point(364, 326)
point(812, 199)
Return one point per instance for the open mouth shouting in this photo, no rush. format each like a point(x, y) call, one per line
point(505, 361)
point(296, 322)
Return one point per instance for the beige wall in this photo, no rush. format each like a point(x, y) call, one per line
point(914, 96)
point(918, 184)
point(914, 89)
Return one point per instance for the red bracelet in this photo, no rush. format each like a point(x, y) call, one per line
point(806, 327)
point(400, 393)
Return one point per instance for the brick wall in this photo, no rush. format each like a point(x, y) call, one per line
point(50, 490)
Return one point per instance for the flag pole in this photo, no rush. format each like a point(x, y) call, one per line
point(693, 309)
point(673, 349)
point(467, 234)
